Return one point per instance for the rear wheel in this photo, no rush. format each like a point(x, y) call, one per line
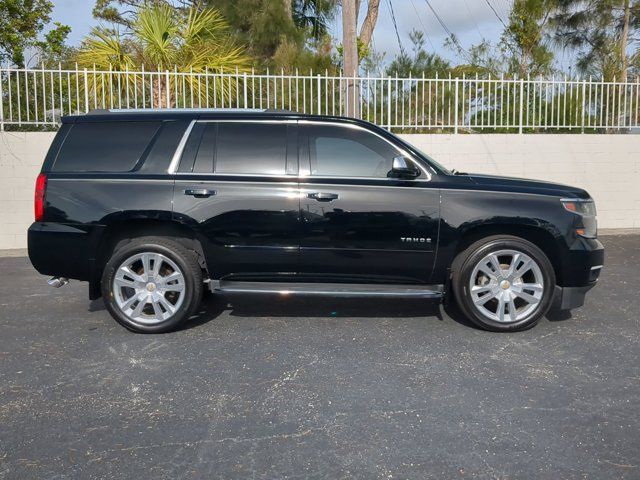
point(503, 283)
point(152, 284)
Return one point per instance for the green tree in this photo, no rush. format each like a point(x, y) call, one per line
point(603, 32)
point(523, 40)
point(279, 31)
point(21, 22)
point(419, 61)
point(124, 12)
point(483, 59)
point(162, 37)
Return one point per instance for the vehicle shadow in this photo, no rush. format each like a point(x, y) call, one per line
point(266, 306)
point(269, 306)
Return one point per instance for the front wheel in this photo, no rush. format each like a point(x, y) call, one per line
point(503, 283)
point(152, 284)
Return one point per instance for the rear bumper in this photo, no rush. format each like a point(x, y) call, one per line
point(62, 250)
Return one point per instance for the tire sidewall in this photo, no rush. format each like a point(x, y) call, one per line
point(477, 252)
point(189, 302)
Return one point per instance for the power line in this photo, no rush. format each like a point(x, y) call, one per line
point(449, 32)
point(424, 29)
point(395, 25)
point(496, 13)
point(440, 21)
point(474, 20)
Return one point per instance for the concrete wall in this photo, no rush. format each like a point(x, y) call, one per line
point(608, 166)
point(21, 157)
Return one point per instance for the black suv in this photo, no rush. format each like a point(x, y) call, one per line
point(152, 207)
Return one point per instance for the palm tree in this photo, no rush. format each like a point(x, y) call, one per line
point(189, 42)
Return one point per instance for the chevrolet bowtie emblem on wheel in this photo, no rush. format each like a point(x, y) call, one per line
point(415, 240)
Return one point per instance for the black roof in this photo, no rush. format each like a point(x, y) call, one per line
point(199, 113)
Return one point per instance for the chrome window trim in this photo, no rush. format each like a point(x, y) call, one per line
point(253, 175)
point(175, 160)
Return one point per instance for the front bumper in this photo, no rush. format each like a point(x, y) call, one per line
point(581, 264)
point(568, 298)
point(581, 267)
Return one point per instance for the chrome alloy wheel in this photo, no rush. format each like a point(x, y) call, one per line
point(148, 288)
point(506, 286)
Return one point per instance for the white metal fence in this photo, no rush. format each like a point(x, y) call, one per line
point(37, 98)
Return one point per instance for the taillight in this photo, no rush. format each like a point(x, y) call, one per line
point(38, 204)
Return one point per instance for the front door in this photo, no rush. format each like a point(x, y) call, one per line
point(358, 225)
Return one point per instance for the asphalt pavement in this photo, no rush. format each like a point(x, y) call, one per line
point(274, 388)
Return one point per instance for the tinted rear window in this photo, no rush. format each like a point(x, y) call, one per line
point(259, 148)
point(236, 148)
point(105, 147)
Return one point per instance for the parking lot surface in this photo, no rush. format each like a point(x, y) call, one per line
point(269, 387)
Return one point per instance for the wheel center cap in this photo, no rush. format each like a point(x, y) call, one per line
point(505, 284)
point(151, 287)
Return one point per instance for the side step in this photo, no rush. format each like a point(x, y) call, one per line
point(330, 289)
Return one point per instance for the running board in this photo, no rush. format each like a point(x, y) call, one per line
point(329, 289)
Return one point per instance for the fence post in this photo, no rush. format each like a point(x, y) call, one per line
point(520, 129)
point(455, 111)
point(167, 89)
point(389, 102)
point(319, 94)
point(2, 101)
point(584, 103)
point(86, 91)
point(246, 94)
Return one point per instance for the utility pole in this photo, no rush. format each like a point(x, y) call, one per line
point(350, 56)
point(288, 8)
point(624, 41)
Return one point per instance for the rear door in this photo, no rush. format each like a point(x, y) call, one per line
point(236, 185)
point(358, 225)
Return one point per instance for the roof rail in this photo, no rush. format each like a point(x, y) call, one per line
point(188, 110)
point(177, 110)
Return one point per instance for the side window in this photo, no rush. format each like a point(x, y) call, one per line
point(105, 146)
point(251, 148)
point(235, 148)
point(197, 155)
point(336, 151)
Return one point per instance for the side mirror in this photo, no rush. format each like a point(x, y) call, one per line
point(404, 168)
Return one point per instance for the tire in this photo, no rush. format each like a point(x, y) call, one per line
point(503, 283)
point(159, 271)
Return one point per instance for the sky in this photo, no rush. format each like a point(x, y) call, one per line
point(470, 20)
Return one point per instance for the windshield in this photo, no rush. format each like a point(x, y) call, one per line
point(434, 163)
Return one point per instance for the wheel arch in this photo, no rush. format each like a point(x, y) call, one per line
point(119, 233)
point(540, 237)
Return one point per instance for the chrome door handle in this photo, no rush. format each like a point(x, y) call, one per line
point(323, 196)
point(199, 192)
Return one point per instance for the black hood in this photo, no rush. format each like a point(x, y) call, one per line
point(522, 185)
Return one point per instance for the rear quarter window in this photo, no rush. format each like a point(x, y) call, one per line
point(105, 146)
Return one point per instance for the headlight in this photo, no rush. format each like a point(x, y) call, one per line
point(580, 206)
point(587, 225)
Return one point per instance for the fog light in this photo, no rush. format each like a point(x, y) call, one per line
point(595, 273)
